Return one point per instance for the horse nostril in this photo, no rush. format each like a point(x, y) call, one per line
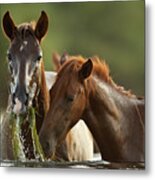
point(13, 98)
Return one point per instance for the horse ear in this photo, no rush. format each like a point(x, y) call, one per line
point(56, 60)
point(42, 26)
point(59, 60)
point(64, 58)
point(86, 69)
point(9, 26)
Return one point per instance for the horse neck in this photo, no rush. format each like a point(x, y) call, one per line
point(41, 102)
point(113, 121)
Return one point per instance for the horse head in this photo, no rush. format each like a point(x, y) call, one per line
point(24, 60)
point(68, 101)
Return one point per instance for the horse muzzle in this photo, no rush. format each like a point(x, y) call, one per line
point(19, 105)
point(19, 108)
point(48, 146)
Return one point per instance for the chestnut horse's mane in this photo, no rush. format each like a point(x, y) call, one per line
point(101, 70)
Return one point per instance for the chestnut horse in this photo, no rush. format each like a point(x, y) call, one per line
point(84, 90)
point(79, 136)
point(28, 87)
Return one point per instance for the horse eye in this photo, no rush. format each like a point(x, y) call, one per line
point(9, 57)
point(39, 58)
point(70, 98)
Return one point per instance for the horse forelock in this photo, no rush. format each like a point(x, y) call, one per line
point(25, 30)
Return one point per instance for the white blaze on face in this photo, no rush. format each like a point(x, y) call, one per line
point(27, 75)
point(17, 106)
point(13, 85)
point(23, 46)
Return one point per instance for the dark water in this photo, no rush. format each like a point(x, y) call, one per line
point(88, 164)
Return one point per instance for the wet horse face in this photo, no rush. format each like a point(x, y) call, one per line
point(68, 100)
point(24, 60)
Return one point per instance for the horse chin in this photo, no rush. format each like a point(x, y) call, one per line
point(48, 146)
point(49, 154)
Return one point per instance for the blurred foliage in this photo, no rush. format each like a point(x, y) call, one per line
point(112, 30)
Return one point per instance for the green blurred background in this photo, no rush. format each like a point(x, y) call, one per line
point(112, 30)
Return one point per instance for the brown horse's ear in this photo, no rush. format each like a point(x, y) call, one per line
point(56, 60)
point(86, 69)
point(9, 26)
point(42, 26)
point(59, 60)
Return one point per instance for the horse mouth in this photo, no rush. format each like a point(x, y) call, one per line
point(47, 150)
point(47, 146)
